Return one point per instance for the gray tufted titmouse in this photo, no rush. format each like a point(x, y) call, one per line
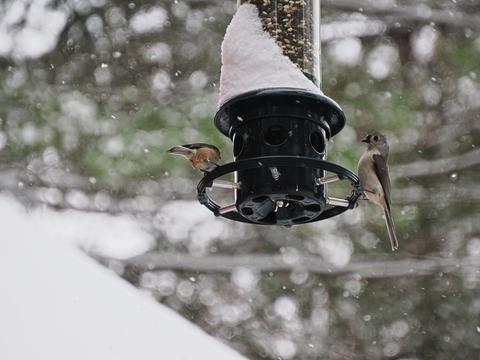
point(373, 174)
point(203, 157)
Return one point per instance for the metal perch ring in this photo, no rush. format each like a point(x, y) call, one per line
point(281, 161)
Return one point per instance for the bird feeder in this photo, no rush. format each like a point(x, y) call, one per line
point(280, 130)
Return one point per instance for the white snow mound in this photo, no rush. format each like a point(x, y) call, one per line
point(252, 60)
point(56, 303)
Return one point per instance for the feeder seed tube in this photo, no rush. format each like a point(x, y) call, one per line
point(295, 26)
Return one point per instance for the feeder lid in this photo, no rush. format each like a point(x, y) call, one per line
point(231, 114)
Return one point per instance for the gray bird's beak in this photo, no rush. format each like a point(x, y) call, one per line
point(366, 139)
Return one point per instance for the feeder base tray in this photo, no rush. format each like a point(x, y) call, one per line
point(280, 208)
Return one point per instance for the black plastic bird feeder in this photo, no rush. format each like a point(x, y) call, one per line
point(280, 135)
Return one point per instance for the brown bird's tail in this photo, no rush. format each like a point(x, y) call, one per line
point(391, 230)
point(181, 150)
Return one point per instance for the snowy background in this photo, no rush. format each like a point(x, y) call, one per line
point(100, 231)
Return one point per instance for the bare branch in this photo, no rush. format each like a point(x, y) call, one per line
point(421, 13)
point(365, 268)
point(412, 195)
point(437, 167)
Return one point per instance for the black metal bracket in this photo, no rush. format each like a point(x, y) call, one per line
point(278, 161)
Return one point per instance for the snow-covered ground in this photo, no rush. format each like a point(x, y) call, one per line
point(57, 303)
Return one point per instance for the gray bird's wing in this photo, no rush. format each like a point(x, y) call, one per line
point(381, 169)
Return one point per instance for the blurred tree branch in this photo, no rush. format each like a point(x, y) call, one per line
point(421, 13)
point(412, 195)
point(56, 195)
point(366, 268)
point(437, 167)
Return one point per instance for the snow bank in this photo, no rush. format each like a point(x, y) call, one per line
point(57, 303)
point(252, 60)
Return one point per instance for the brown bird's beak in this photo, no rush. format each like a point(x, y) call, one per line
point(366, 139)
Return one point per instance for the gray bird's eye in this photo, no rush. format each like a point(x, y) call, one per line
point(375, 138)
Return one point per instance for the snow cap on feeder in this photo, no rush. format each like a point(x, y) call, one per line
point(273, 110)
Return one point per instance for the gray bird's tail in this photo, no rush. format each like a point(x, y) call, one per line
point(391, 230)
point(181, 150)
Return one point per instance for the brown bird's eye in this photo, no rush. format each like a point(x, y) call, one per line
point(375, 138)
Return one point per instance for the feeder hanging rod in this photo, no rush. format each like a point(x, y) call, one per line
point(337, 202)
point(326, 180)
point(224, 184)
point(227, 209)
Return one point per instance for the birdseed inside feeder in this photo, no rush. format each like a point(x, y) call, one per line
point(295, 26)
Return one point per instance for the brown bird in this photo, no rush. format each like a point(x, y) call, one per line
point(203, 157)
point(373, 174)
